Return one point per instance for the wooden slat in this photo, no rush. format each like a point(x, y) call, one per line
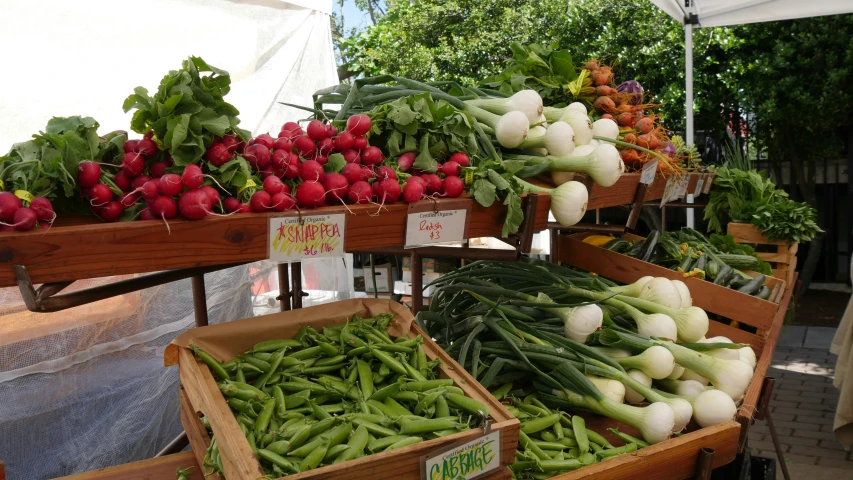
point(196, 433)
point(90, 250)
point(403, 463)
point(672, 459)
point(622, 193)
point(622, 268)
point(776, 257)
point(748, 233)
point(161, 468)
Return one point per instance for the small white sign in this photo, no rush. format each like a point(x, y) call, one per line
point(467, 461)
point(708, 182)
point(427, 228)
point(699, 183)
point(649, 171)
point(682, 186)
point(309, 236)
point(669, 191)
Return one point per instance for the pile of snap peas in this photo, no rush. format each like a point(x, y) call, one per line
point(552, 442)
point(343, 393)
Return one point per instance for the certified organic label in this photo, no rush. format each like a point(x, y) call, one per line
point(311, 236)
point(467, 461)
point(649, 170)
point(682, 186)
point(426, 228)
point(669, 191)
point(699, 183)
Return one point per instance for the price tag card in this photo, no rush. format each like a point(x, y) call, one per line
point(669, 191)
point(468, 461)
point(310, 236)
point(649, 170)
point(682, 186)
point(708, 182)
point(699, 184)
point(430, 227)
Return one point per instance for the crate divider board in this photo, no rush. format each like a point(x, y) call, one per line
point(784, 257)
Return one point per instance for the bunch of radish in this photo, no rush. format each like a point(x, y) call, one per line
point(15, 216)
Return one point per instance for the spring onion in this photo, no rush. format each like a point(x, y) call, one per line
point(559, 139)
point(656, 362)
point(612, 389)
point(713, 407)
point(631, 395)
point(526, 101)
point(682, 388)
point(568, 201)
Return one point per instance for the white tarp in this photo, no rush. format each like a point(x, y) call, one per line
point(84, 57)
point(716, 13)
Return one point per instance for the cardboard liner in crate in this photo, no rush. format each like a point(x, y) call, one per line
point(227, 340)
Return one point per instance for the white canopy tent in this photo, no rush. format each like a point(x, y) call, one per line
point(718, 13)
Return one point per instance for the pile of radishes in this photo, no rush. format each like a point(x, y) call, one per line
point(15, 216)
point(292, 169)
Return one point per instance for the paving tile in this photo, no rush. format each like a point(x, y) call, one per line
point(767, 445)
point(816, 435)
point(818, 407)
point(819, 452)
point(831, 444)
point(795, 458)
point(763, 430)
point(809, 419)
point(792, 336)
point(825, 428)
point(819, 337)
point(836, 463)
point(799, 441)
point(777, 411)
point(797, 426)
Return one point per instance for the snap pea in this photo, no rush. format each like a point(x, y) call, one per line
point(273, 345)
point(365, 378)
point(539, 424)
point(323, 425)
point(296, 399)
point(276, 459)
point(424, 385)
point(467, 403)
point(300, 437)
point(380, 444)
point(579, 427)
point(314, 458)
point(306, 353)
point(627, 438)
point(374, 428)
point(259, 364)
point(389, 361)
point(406, 397)
point(427, 426)
point(274, 364)
point(328, 349)
point(404, 443)
point(385, 392)
point(280, 403)
point(239, 375)
point(333, 452)
point(441, 407)
point(215, 367)
point(396, 407)
point(263, 420)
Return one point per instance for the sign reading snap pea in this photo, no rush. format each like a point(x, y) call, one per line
point(308, 236)
point(468, 461)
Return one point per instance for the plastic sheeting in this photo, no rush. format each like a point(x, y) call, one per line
point(85, 57)
point(717, 13)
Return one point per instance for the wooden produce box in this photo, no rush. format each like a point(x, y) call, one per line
point(227, 340)
point(624, 191)
point(784, 257)
point(717, 299)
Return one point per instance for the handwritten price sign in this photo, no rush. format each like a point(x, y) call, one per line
point(468, 461)
point(426, 228)
point(314, 237)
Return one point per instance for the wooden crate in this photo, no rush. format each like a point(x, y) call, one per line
point(713, 298)
point(624, 191)
point(783, 258)
point(202, 397)
point(78, 247)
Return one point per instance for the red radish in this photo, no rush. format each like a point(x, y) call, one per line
point(258, 156)
point(232, 142)
point(291, 171)
point(433, 182)
point(404, 163)
point(9, 204)
point(311, 171)
point(25, 219)
point(88, 173)
point(372, 156)
point(192, 176)
point(149, 134)
point(194, 204)
point(291, 126)
point(43, 209)
point(150, 190)
point(294, 159)
point(283, 143)
point(279, 159)
point(290, 134)
point(644, 125)
point(417, 180)
point(375, 188)
point(331, 131)
point(111, 212)
point(170, 184)
point(310, 194)
point(351, 156)
point(158, 169)
point(359, 143)
point(267, 172)
point(389, 191)
point(352, 172)
point(316, 130)
point(344, 141)
point(147, 214)
point(336, 186)
point(217, 154)
point(123, 180)
point(321, 159)
point(212, 194)
point(260, 201)
point(385, 172)
point(304, 145)
point(134, 163)
point(231, 204)
point(358, 124)
point(281, 202)
point(359, 192)
point(100, 195)
point(367, 173)
point(146, 147)
point(139, 181)
point(413, 191)
point(130, 146)
point(128, 199)
point(244, 208)
point(164, 207)
point(273, 185)
point(461, 158)
point(263, 139)
point(326, 146)
point(452, 187)
point(450, 169)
